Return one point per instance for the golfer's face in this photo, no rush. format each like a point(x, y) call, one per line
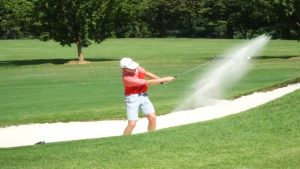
point(132, 71)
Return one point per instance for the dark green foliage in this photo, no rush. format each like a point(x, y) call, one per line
point(15, 18)
point(286, 19)
point(174, 18)
point(242, 18)
point(68, 21)
point(75, 21)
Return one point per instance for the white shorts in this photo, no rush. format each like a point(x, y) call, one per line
point(137, 102)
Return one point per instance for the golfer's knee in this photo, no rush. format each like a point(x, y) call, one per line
point(152, 117)
point(131, 124)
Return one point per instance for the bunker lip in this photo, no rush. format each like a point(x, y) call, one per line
point(24, 135)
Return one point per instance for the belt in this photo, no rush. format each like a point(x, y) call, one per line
point(142, 94)
point(138, 94)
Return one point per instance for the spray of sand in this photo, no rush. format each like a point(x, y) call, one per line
point(222, 74)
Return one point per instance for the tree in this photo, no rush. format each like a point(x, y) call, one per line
point(187, 19)
point(179, 18)
point(82, 21)
point(297, 15)
point(77, 21)
point(245, 17)
point(15, 18)
point(216, 15)
point(123, 20)
point(252, 16)
point(287, 15)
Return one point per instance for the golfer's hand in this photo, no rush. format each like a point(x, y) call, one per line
point(168, 79)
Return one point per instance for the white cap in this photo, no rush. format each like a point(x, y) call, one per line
point(128, 63)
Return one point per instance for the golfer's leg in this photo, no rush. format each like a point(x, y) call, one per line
point(130, 126)
point(132, 105)
point(152, 121)
point(148, 109)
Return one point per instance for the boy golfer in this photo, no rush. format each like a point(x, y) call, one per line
point(136, 97)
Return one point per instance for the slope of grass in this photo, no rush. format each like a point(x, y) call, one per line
point(266, 137)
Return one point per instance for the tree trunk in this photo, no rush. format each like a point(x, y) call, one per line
point(79, 50)
point(252, 33)
point(298, 24)
point(243, 32)
point(229, 31)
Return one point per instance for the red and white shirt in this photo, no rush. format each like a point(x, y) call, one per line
point(135, 83)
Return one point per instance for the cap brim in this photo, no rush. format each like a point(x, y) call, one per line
point(133, 65)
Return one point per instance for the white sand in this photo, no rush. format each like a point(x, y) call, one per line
point(23, 135)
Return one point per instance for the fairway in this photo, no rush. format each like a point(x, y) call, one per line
point(37, 87)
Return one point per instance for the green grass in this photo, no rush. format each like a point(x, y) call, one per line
point(266, 137)
point(36, 87)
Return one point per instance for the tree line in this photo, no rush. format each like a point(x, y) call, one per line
point(83, 21)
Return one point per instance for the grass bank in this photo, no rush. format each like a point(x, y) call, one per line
point(264, 137)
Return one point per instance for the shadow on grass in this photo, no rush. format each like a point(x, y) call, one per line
point(277, 57)
point(49, 61)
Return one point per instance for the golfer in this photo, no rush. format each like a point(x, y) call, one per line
point(136, 80)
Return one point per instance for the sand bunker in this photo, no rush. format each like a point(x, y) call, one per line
point(31, 134)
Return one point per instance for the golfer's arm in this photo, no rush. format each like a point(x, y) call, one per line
point(159, 80)
point(154, 81)
point(151, 75)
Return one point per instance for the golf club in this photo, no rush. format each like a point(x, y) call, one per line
point(192, 69)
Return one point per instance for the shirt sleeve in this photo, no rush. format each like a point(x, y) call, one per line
point(130, 81)
point(141, 69)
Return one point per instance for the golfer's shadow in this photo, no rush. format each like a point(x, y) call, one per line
point(49, 61)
